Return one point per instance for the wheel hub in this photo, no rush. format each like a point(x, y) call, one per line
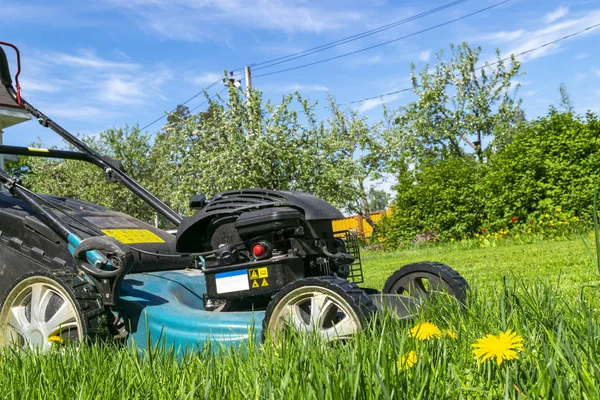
point(37, 309)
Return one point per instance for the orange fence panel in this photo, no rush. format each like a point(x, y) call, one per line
point(357, 223)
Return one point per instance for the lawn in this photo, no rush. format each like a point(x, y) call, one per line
point(533, 289)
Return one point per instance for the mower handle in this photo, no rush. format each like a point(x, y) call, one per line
point(5, 70)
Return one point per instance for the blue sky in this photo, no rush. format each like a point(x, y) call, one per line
point(113, 62)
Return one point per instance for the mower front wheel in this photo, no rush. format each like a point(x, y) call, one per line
point(423, 279)
point(327, 306)
point(42, 308)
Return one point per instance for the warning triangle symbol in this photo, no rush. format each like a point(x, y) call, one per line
point(253, 274)
point(264, 283)
point(254, 284)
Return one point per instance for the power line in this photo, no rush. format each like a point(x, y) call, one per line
point(184, 103)
point(386, 42)
point(307, 52)
point(487, 65)
point(348, 39)
point(207, 100)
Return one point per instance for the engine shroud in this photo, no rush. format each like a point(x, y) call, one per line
point(293, 230)
point(194, 233)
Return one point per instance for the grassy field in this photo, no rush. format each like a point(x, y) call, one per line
point(533, 289)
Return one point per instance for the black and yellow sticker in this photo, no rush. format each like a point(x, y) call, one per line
point(38, 150)
point(256, 274)
point(131, 236)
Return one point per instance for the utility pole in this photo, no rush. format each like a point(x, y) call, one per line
point(248, 80)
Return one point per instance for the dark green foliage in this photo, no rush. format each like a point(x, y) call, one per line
point(551, 166)
point(444, 197)
point(553, 162)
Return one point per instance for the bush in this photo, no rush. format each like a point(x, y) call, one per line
point(553, 163)
point(547, 173)
point(443, 198)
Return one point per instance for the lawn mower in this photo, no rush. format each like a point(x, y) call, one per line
point(247, 263)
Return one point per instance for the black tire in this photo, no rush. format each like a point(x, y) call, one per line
point(424, 278)
point(86, 312)
point(349, 300)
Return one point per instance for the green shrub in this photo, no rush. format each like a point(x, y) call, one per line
point(541, 182)
point(443, 198)
point(553, 163)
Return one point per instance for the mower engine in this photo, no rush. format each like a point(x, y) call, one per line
point(257, 241)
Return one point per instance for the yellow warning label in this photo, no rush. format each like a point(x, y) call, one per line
point(263, 272)
point(38, 150)
point(254, 284)
point(259, 273)
point(264, 283)
point(130, 236)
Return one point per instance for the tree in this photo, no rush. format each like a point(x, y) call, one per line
point(566, 104)
point(85, 181)
point(247, 143)
point(378, 199)
point(181, 113)
point(459, 105)
point(239, 142)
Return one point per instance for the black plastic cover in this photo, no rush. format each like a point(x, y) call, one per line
point(18, 220)
point(259, 222)
point(5, 77)
point(193, 229)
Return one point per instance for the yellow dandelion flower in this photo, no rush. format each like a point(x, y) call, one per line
point(56, 339)
point(451, 334)
point(407, 361)
point(477, 235)
point(502, 347)
point(425, 331)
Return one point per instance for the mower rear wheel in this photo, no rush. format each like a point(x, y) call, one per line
point(42, 308)
point(327, 306)
point(423, 279)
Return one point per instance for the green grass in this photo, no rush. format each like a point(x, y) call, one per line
point(541, 300)
point(562, 264)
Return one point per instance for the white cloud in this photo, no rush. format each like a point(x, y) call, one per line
point(207, 78)
point(534, 38)
point(581, 56)
point(580, 76)
point(90, 85)
point(373, 103)
point(195, 20)
point(87, 59)
point(32, 85)
point(556, 14)
point(424, 55)
point(303, 88)
point(530, 93)
point(79, 112)
point(596, 71)
point(504, 36)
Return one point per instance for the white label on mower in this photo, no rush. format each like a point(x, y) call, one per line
point(233, 281)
